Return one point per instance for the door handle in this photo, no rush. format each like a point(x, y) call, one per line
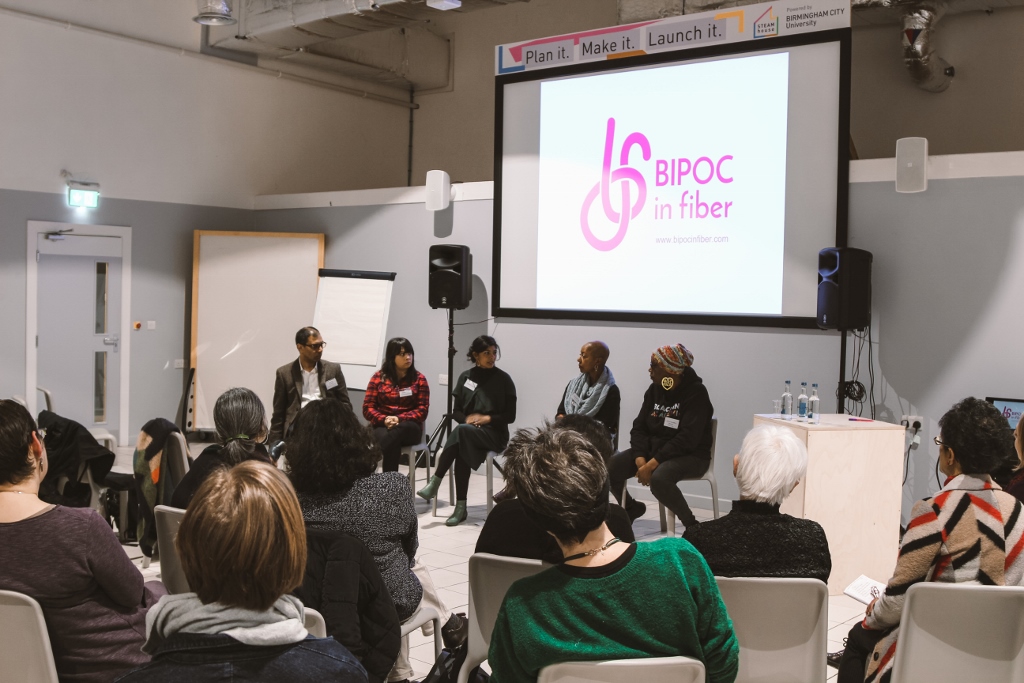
point(112, 340)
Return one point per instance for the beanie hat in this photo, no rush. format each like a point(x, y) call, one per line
point(674, 358)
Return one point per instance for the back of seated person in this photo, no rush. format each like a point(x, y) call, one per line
point(608, 599)
point(343, 584)
point(509, 531)
point(242, 545)
point(93, 598)
point(241, 423)
point(755, 539)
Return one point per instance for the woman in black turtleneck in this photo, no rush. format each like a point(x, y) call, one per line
point(671, 437)
point(483, 403)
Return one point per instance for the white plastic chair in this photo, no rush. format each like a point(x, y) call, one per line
point(668, 523)
point(959, 632)
point(420, 617)
point(315, 623)
point(649, 670)
point(168, 520)
point(176, 458)
point(781, 626)
point(490, 577)
point(412, 453)
point(489, 470)
point(25, 653)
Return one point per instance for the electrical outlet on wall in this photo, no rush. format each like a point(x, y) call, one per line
point(913, 422)
point(442, 380)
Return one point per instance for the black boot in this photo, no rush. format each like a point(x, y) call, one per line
point(455, 631)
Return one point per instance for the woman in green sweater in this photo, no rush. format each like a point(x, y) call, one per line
point(483, 403)
point(608, 599)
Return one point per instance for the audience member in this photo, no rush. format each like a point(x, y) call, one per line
point(755, 539)
point(331, 461)
point(671, 436)
point(343, 584)
point(306, 379)
point(967, 533)
point(509, 530)
point(243, 548)
point(1015, 487)
point(593, 392)
point(396, 402)
point(608, 599)
point(484, 404)
point(241, 424)
point(68, 560)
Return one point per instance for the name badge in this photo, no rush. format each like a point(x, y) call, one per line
point(671, 423)
point(470, 384)
point(405, 392)
point(331, 384)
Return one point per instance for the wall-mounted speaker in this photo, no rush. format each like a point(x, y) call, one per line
point(844, 288)
point(912, 164)
point(439, 191)
point(450, 276)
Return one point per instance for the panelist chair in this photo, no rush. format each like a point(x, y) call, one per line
point(668, 523)
point(168, 520)
point(490, 466)
point(413, 455)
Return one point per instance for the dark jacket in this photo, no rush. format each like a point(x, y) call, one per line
point(608, 415)
point(69, 445)
point(510, 533)
point(208, 461)
point(689, 403)
point(756, 540)
point(199, 658)
point(342, 582)
point(288, 393)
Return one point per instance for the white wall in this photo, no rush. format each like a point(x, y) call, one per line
point(162, 126)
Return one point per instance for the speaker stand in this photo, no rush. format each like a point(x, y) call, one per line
point(440, 435)
point(841, 391)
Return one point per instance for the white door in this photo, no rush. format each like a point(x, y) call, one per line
point(79, 343)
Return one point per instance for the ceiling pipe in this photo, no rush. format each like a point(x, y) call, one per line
point(929, 71)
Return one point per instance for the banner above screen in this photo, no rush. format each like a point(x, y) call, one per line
point(728, 25)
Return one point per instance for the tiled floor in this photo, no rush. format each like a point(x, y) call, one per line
point(445, 551)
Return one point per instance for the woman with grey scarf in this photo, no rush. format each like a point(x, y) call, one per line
point(593, 392)
point(242, 544)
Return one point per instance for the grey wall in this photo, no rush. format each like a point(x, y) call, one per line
point(161, 287)
point(948, 276)
point(744, 368)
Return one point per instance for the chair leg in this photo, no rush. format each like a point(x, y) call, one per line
point(664, 522)
point(490, 482)
point(438, 642)
point(714, 494)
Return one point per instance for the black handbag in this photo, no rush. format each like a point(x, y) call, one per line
point(449, 663)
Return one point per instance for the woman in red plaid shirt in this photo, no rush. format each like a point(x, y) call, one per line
point(396, 402)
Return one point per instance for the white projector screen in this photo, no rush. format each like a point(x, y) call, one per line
point(698, 187)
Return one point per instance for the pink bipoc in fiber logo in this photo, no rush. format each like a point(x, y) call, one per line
point(623, 175)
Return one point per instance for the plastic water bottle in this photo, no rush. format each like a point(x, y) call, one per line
point(801, 403)
point(787, 402)
point(814, 405)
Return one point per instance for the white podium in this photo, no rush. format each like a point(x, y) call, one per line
point(853, 489)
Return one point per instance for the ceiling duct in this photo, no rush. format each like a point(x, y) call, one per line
point(384, 41)
point(214, 13)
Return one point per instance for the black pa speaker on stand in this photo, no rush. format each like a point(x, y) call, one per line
point(844, 299)
point(844, 288)
point(450, 276)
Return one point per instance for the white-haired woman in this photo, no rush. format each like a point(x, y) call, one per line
point(755, 539)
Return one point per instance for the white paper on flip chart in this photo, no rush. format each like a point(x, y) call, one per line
point(352, 316)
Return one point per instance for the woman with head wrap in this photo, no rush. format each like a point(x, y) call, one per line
point(671, 436)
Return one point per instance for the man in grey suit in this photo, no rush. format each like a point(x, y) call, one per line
point(307, 379)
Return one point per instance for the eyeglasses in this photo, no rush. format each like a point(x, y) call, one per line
point(316, 347)
point(940, 443)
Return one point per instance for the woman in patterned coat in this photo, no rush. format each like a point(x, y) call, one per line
point(971, 531)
